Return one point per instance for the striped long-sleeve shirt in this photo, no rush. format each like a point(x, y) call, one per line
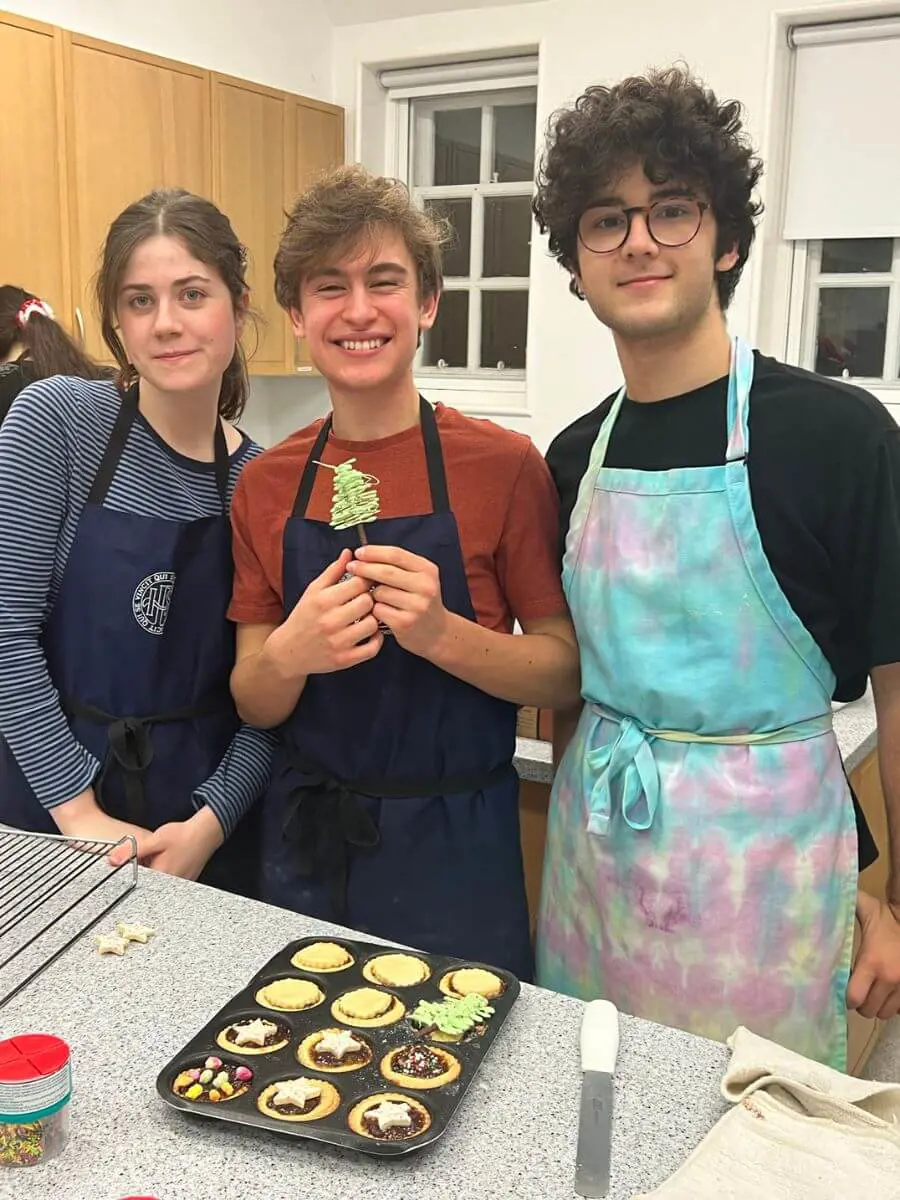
point(51, 445)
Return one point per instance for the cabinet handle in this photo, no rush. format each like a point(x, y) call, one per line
point(79, 320)
point(303, 370)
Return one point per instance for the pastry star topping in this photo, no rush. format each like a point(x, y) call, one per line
point(253, 1033)
point(135, 933)
point(338, 1044)
point(390, 1115)
point(111, 943)
point(296, 1091)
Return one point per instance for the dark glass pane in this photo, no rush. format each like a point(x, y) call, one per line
point(457, 146)
point(445, 344)
point(507, 235)
point(504, 322)
point(857, 254)
point(514, 143)
point(851, 332)
point(459, 214)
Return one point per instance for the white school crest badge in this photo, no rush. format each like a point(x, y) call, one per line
point(152, 600)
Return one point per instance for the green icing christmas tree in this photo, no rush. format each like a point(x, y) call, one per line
point(354, 500)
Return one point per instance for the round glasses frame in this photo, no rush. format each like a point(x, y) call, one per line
point(646, 211)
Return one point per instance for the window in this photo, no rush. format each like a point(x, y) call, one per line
point(851, 311)
point(464, 139)
point(472, 162)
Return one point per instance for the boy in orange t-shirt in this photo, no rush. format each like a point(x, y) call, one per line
point(390, 669)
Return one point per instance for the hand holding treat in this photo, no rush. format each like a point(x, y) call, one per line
point(330, 628)
point(407, 595)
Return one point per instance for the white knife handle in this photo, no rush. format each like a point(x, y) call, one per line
point(599, 1037)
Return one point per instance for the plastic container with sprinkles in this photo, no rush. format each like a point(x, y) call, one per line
point(35, 1090)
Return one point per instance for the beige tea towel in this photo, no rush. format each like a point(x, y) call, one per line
point(798, 1131)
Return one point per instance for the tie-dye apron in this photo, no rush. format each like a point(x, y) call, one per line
point(701, 863)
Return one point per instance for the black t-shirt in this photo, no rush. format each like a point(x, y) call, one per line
point(824, 469)
point(14, 376)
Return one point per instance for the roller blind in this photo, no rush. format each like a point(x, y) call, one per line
point(844, 144)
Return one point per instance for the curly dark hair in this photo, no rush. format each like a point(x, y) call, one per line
point(677, 129)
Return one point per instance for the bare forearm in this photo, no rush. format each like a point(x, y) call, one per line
point(265, 690)
point(889, 767)
point(539, 669)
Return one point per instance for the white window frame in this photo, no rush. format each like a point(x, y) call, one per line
point(473, 389)
point(806, 282)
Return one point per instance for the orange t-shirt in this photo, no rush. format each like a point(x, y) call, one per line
point(501, 494)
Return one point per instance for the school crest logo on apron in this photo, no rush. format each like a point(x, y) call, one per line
point(152, 600)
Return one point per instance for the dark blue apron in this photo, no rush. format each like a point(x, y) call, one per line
point(139, 648)
point(394, 803)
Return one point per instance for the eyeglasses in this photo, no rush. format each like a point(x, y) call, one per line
point(670, 223)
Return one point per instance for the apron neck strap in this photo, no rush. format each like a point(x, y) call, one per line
point(128, 411)
point(740, 380)
point(434, 461)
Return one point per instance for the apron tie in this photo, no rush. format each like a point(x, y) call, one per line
point(630, 756)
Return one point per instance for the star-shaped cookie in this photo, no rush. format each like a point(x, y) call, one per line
point(390, 1115)
point(253, 1033)
point(338, 1043)
point(135, 933)
point(111, 943)
point(297, 1091)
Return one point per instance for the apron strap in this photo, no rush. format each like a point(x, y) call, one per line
point(128, 411)
point(740, 380)
point(434, 461)
point(129, 747)
point(325, 817)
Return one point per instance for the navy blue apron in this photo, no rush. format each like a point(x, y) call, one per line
point(139, 648)
point(393, 806)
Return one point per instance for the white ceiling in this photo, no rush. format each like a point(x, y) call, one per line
point(358, 12)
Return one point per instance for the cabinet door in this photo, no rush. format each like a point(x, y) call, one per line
point(249, 148)
point(317, 143)
point(33, 222)
point(136, 123)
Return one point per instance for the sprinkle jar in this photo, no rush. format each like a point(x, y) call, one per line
point(35, 1090)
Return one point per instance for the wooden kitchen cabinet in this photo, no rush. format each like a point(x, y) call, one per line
point(34, 233)
point(136, 122)
point(315, 144)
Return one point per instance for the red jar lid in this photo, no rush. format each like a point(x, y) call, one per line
point(31, 1056)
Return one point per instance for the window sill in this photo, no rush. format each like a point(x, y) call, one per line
point(478, 395)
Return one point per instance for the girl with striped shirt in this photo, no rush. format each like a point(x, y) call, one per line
point(115, 564)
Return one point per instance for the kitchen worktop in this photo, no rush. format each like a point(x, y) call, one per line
point(854, 725)
point(513, 1136)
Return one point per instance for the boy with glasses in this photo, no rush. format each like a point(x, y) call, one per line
point(732, 563)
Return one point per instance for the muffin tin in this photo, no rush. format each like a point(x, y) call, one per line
point(353, 1086)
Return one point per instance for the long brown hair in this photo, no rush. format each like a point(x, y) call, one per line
point(47, 347)
point(208, 235)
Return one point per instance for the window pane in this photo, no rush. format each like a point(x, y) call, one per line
point(459, 214)
point(507, 235)
point(457, 146)
point(445, 344)
point(504, 321)
point(514, 143)
point(851, 332)
point(856, 254)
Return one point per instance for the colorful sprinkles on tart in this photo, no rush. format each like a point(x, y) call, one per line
point(254, 1036)
point(334, 1050)
point(389, 1117)
point(214, 1082)
point(418, 1065)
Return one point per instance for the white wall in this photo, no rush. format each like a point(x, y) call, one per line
point(283, 43)
point(739, 48)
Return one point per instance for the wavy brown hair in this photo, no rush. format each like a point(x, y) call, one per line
point(346, 208)
point(45, 345)
point(208, 235)
point(674, 126)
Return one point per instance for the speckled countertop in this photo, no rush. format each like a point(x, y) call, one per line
point(854, 725)
point(513, 1136)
